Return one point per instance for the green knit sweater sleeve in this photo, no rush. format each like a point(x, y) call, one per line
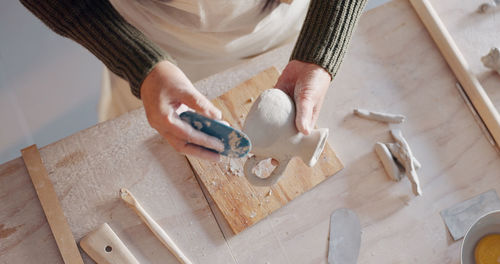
point(327, 31)
point(97, 26)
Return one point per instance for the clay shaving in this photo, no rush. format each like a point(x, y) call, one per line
point(235, 168)
point(379, 116)
point(492, 60)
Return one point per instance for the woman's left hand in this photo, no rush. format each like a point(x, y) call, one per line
point(307, 84)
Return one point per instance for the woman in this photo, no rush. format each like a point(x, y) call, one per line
point(160, 46)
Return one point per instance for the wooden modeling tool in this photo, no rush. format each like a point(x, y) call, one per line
point(105, 247)
point(51, 206)
point(482, 103)
point(165, 239)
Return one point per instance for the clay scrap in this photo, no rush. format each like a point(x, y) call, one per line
point(398, 160)
point(487, 7)
point(394, 172)
point(407, 160)
point(492, 60)
point(379, 116)
point(395, 150)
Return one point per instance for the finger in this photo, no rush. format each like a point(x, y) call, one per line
point(190, 149)
point(315, 116)
point(184, 131)
point(285, 84)
point(197, 101)
point(304, 114)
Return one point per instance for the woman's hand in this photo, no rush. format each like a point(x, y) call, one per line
point(307, 84)
point(165, 92)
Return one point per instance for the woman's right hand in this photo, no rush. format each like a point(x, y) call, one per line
point(165, 92)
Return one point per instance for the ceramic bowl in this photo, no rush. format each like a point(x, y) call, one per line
point(485, 225)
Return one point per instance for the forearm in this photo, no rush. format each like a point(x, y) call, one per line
point(326, 32)
point(97, 26)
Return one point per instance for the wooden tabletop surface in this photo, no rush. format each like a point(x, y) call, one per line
point(392, 65)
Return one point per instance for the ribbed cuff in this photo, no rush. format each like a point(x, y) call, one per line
point(326, 32)
point(97, 26)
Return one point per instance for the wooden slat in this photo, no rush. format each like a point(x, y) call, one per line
point(51, 206)
point(241, 203)
point(450, 51)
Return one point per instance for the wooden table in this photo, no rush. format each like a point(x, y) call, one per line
point(392, 65)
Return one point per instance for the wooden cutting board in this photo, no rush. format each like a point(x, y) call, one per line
point(241, 203)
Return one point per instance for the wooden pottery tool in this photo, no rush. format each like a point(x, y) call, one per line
point(51, 206)
point(460, 217)
point(236, 143)
point(165, 239)
point(345, 237)
point(105, 247)
point(241, 203)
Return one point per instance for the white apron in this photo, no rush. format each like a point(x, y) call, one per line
point(203, 36)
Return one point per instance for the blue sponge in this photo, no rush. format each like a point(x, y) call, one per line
point(236, 143)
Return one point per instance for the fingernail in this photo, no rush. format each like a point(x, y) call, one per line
point(307, 130)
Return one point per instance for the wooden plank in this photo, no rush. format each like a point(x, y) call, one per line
point(241, 203)
point(51, 206)
point(471, 32)
point(449, 49)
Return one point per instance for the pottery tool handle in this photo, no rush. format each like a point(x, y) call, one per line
point(165, 239)
point(459, 66)
point(105, 247)
point(51, 206)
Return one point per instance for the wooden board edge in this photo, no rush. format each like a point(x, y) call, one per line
point(51, 206)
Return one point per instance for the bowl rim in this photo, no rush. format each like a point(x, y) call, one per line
point(470, 228)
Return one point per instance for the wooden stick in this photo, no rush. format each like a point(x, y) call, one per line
point(130, 200)
point(51, 206)
point(459, 66)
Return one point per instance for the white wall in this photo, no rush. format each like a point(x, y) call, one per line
point(49, 85)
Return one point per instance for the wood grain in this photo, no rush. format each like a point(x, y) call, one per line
point(87, 170)
point(51, 206)
point(449, 49)
point(241, 203)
